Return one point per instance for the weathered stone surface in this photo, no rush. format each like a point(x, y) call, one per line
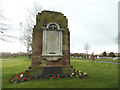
point(51, 43)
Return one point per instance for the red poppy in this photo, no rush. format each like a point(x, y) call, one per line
point(24, 78)
point(22, 73)
point(16, 75)
point(12, 77)
point(52, 77)
point(18, 78)
point(25, 75)
point(58, 75)
point(55, 76)
point(68, 74)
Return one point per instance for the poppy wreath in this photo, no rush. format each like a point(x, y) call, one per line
point(19, 78)
point(76, 74)
point(24, 77)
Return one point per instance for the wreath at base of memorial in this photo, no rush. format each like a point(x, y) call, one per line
point(19, 78)
point(24, 77)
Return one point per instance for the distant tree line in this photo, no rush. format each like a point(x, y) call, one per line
point(111, 54)
point(102, 55)
point(8, 54)
point(72, 55)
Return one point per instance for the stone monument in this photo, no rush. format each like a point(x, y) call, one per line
point(50, 45)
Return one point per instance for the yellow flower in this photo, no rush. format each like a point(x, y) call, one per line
point(76, 75)
point(75, 70)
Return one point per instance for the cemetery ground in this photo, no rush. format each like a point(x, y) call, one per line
point(100, 75)
point(105, 60)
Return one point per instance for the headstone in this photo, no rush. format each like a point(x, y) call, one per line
point(98, 57)
point(50, 45)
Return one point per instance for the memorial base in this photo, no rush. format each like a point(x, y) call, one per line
point(51, 70)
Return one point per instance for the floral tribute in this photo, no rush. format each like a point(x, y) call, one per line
point(24, 77)
point(19, 78)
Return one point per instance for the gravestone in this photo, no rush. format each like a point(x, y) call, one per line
point(50, 45)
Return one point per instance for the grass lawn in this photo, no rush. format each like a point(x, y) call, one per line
point(108, 60)
point(100, 75)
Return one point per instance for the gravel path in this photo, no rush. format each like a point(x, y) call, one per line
point(103, 61)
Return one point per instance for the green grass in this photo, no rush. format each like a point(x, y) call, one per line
point(108, 60)
point(100, 75)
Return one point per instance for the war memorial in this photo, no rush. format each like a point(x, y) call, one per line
point(50, 45)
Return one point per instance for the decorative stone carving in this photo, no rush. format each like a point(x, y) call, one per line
point(52, 57)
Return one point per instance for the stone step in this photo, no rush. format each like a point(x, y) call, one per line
point(41, 67)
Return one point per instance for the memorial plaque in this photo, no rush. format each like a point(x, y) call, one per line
point(52, 70)
point(52, 42)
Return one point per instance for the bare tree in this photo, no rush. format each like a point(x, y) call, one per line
point(28, 27)
point(116, 40)
point(86, 48)
point(4, 27)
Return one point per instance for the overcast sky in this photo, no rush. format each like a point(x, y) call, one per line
point(90, 21)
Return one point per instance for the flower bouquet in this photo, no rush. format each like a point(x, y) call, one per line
point(19, 78)
point(24, 77)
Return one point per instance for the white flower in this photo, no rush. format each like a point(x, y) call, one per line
point(84, 73)
point(79, 71)
point(80, 74)
point(21, 75)
point(72, 73)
